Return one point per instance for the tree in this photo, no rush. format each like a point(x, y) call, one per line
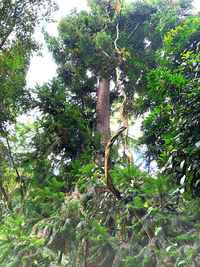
point(18, 20)
point(171, 131)
point(86, 44)
point(98, 46)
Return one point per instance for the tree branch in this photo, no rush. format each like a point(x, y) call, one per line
point(6, 197)
point(140, 23)
point(134, 30)
point(15, 167)
point(10, 30)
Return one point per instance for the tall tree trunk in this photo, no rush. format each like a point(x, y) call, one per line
point(103, 129)
point(103, 111)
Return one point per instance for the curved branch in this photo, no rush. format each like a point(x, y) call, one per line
point(109, 145)
point(124, 126)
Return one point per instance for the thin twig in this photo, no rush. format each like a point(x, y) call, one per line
point(140, 23)
point(106, 54)
point(101, 31)
point(134, 30)
point(147, 233)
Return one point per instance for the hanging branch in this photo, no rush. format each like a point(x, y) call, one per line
point(110, 143)
point(147, 233)
point(10, 30)
point(134, 30)
point(124, 127)
point(144, 16)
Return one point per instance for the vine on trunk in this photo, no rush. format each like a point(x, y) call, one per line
point(110, 143)
point(124, 122)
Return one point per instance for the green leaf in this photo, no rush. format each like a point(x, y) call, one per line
point(157, 230)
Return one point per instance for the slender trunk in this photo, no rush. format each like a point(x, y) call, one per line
point(103, 111)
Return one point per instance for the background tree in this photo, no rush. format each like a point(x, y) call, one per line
point(171, 131)
point(18, 20)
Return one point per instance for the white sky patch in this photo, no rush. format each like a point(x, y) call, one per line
point(65, 8)
point(30, 117)
point(196, 4)
point(43, 68)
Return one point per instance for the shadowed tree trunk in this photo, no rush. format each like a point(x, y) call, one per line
point(103, 111)
point(103, 116)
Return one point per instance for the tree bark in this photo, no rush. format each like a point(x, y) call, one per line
point(103, 111)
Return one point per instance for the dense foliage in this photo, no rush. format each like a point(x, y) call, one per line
point(56, 208)
point(171, 130)
point(18, 20)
